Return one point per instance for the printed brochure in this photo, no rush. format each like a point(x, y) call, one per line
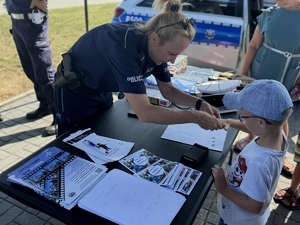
point(58, 176)
point(172, 175)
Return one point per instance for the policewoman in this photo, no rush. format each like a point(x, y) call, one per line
point(30, 34)
point(118, 57)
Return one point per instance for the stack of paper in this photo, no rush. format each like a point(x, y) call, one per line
point(58, 176)
point(125, 199)
point(100, 149)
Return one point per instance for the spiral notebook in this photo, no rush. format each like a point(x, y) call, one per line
point(58, 176)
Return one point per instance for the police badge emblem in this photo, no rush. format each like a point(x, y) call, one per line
point(210, 33)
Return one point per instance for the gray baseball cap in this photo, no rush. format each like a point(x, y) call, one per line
point(264, 98)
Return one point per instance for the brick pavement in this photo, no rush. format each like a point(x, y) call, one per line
point(20, 137)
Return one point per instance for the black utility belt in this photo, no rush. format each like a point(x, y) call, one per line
point(65, 75)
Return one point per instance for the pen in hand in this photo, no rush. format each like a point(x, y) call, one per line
point(94, 145)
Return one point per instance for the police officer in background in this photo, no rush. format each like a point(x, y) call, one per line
point(30, 34)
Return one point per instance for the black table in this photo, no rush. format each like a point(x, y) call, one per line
point(114, 123)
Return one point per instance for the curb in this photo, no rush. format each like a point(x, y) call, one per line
point(13, 99)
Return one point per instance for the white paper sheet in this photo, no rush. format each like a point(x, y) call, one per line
point(107, 150)
point(125, 199)
point(191, 133)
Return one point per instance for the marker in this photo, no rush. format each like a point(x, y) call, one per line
point(94, 145)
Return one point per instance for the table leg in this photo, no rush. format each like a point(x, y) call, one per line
point(230, 156)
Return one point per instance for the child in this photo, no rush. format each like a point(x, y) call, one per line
point(264, 106)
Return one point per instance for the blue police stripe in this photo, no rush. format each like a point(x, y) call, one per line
point(223, 35)
point(206, 33)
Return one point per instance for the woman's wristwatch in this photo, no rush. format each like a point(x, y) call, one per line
point(198, 104)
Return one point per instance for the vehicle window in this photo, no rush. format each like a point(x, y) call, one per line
point(219, 7)
point(146, 3)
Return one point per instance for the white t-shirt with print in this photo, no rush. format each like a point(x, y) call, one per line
point(255, 173)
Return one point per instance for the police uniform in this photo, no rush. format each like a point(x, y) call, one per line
point(33, 47)
point(112, 57)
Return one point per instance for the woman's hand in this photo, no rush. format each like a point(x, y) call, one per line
point(207, 121)
point(206, 107)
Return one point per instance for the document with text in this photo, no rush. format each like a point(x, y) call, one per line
point(59, 176)
point(191, 133)
point(99, 148)
point(126, 199)
point(168, 174)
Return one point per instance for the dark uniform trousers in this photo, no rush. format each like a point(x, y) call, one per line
point(75, 105)
point(34, 52)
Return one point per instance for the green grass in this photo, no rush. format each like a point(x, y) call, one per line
point(65, 27)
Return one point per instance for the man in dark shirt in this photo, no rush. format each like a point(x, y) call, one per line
point(30, 34)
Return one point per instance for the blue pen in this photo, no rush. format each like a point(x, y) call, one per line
point(94, 145)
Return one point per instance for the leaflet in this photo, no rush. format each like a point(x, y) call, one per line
point(139, 160)
point(171, 175)
point(58, 176)
point(100, 149)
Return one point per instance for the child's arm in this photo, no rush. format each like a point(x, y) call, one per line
point(241, 200)
point(235, 124)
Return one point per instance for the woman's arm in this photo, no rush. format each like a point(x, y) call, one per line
point(180, 97)
point(149, 113)
point(254, 44)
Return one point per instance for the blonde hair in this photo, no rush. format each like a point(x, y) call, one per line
point(171, 13)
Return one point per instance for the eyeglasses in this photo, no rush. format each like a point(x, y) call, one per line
point(242, 118)
point(185, 24)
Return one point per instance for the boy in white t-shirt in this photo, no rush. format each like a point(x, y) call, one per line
point(246, 194)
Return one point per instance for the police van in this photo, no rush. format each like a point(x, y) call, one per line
point(223, 28)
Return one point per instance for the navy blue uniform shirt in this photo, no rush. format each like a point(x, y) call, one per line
point(113, 57)
point(18, 6)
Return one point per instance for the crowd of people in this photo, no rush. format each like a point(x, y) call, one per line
point(118, 57)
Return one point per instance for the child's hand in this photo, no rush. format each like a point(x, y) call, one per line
point(225, 123)
point(219, 178)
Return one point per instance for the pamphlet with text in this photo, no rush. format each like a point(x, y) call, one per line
point(58, 176)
